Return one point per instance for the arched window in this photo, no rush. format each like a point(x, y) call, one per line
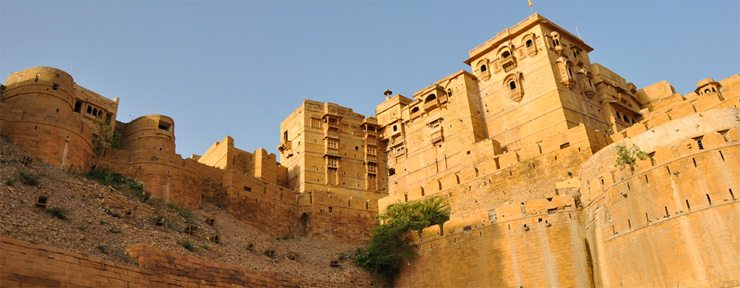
point(483, 68)
point(415, 109)
point(512, 85)
point(505, 55)
point(430, 98)
point(395, 128)
point(714, 89)
point(529, 43)
point(707, 90)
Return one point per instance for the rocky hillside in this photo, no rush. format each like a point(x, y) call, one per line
point(82, 215)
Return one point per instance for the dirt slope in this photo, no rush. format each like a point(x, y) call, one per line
point(103, 222)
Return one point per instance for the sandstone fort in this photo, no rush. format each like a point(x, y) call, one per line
point(523, 145)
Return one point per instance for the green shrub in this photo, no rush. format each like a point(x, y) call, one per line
point(58, 212)
point(628, 156)
point(28, 179)
point(103, 249)
point(389, 249)
point(108, 178)
point(120, 182)
point(10, 182)
point(185, 243)
point(115, 230)
point(185, 213)
point(136, 189)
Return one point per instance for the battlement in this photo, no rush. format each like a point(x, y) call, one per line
point(671, 144)
point(42, 75)
point(470, 187)
point(516, 29)
point(261, 164)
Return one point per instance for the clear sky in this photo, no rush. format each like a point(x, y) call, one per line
point(240, 67)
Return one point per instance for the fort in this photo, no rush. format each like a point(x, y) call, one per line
point(523, 146)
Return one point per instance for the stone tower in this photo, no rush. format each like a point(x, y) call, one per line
point(327, 147)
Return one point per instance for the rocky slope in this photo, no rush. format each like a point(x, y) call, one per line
point(103, 221)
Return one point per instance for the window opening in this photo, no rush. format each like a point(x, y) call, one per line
point(430, 98)
point(699, 143)
point(164, 125)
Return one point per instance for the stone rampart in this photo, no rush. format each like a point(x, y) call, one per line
point(669, 221)
point(526, 250)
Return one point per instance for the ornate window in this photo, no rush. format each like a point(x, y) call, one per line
point(586, 83)
point(332, 143)
point(430, 102)
point(512, 83)
point(566, 72)
point(435, 131)
point(372, 150)
point(332, 162)
point(529, 45)
point(430, 98)
point(506, 59)
point(483, 69)
point(372, 168)
point(555, 39)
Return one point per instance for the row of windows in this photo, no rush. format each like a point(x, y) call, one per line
point(625, 118)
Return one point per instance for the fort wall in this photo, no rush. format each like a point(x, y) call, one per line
point(682, 195)
point(517, 176)
point(539, 250)
point(338, 217)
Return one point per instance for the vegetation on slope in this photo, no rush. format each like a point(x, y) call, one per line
point(103, 214)
point(389, 248)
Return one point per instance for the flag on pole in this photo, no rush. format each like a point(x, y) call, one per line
point(530, 3)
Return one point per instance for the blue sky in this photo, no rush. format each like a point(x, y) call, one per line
point(240, 67)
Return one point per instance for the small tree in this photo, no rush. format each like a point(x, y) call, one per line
point(104, 140)
point(628, 156)
point(389, 248)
